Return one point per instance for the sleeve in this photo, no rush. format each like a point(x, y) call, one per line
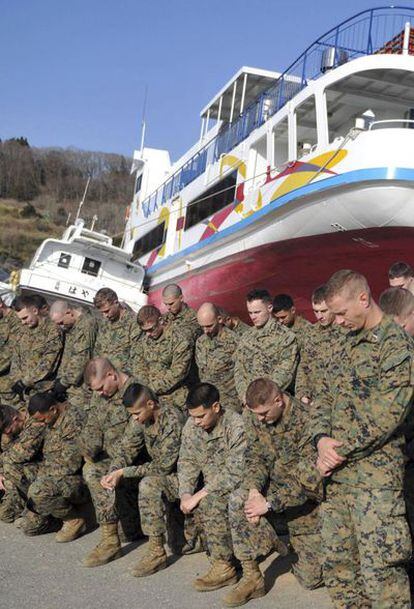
point(230, 477)
point(183, 353)
point(91, 438)
point(131, 445)
point(70, 458)
point(28, 444)
point(285, 361)
point(240, 377)
point(256, 470)
point(43, 362)
point(302, 384)
point(188, 468)
point(81, 352)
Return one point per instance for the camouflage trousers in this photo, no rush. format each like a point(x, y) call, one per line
point(365, 541)
point(18, 478)
point(250, 541)
point(111, 506)
point(50, 495)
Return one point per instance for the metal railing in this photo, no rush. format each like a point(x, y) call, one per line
point(378, 30)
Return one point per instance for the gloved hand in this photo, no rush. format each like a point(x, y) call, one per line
point(19, 388)
point(59, 391)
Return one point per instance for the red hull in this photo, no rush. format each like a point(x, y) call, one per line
point(296, 267)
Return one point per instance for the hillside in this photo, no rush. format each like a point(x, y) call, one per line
point(40, 190)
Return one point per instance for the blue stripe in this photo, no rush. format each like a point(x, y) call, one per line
point(351, 177)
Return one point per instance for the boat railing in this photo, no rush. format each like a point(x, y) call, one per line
point(382, 30)
point(391, 122)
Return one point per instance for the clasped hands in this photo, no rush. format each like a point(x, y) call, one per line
point(328, 458)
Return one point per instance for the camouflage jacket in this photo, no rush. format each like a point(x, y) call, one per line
point(215, 362)
point(280, 457)
point(78, 350)
point(105, 426)
point(161, 440)
point(314, 356)
point(165, 364)
point(270, 351)
point(10, 327)
point(240, 328)
point(118, 340)
point(25, 447)
point(37, 355)
point(219, 455)
point(300, 327)
point(61, 454)
point(367, 394)
point(186, 318)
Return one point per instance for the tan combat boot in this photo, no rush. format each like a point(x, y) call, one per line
point(107, 549)
point(220, 574)
point(153, 560)
point(71, 529)
point(250, 586)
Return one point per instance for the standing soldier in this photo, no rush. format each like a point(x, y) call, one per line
point(233, 322)
point(284, 311)
point(320, 339)
point(37, 353)
point(58, 490)
point(118, 333)
point(79, 327)
point(280, 475)
point(164, 360)
point(401, 275)
point(160, 436)
point(178, 312)
point(10, 327)
point(268, 349)
point(215, 355)
point(357, 429)
point(100, 442)
point(213, 445)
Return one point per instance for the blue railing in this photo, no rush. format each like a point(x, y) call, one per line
point(372, 31)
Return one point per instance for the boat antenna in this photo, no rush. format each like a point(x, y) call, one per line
point(143, 122)
point(83, 199)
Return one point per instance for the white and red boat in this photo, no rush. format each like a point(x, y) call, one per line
point(294, 176)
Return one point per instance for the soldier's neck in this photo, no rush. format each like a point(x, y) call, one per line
point(374, 316)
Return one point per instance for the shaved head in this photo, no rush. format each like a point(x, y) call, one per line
point(172, 298)
point(97, 368)
point(172, 291)
point(59, 307)
point(209, 319)
point(346, 283)
point(64, 314)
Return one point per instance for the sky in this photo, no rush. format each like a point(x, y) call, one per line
point(74, 72)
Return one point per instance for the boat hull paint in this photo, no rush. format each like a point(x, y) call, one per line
point(295, 266)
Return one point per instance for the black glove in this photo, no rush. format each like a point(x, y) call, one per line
point(59, 391)
point(19, 388)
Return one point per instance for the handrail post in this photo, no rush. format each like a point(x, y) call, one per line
point(406, 40)
point(369, 43)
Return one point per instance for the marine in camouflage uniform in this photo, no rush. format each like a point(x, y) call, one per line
point(367, 395)
point(118, 340)
point(280, 465)
point(218, 454)
point(269, 351)
point(179, 314)
point(10, 327)
point(300, 328)
point(80, 328)
point(214, 355)
point(164, 360)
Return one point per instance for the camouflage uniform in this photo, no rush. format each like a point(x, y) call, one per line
point(300, 327)
point(185, 319)
point(220, 457)
point(164, 365)
point(240, 328)
point(158, 478)
point(101, 441)
point(215, 362)
point(314, 356)
point(58, 484)
point(10, 327)
point(79, 343)
point(270, 351)
point(118, 340)
point(280, 465)
point(19, 463)
point(36, 358)
point(368, 392)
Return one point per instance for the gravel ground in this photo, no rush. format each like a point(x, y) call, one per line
point(37, 573)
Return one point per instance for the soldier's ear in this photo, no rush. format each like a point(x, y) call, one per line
point(216, 407)
point(151, 404)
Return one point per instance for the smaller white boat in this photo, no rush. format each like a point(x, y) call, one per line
point(79, 264)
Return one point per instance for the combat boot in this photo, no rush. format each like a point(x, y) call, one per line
point(220, 574)
point(155, 558)
point(10, 510)
point(33, 524)
point(71, 529)
point(107, 549)
point(250, 586)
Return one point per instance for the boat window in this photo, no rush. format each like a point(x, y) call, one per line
point(91, 267)
point(280, 144)
point(213, 199)
point(151, 241)
point(258, 163)
point(138, 183)
point(307, 134)
point(64, 260)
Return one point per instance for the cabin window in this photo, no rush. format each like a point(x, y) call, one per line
point(212, 200)
point(307, 133)
point(150, 241)
point(91, 267)
point(280, 144)
point(138, 183)
point(64, 260)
